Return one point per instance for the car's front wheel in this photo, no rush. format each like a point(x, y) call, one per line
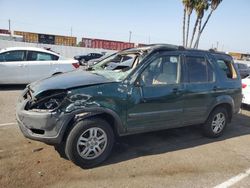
point(89, 142)
point(216, 122)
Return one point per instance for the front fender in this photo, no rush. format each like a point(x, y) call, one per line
point(82, 114)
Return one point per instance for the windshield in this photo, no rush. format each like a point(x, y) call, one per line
point(118, 65)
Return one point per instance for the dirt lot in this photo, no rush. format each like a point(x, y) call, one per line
point(173, 158)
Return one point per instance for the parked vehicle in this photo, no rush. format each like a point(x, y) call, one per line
point(95, 61)
point(83, 59)
point(23, 65)
point(162, 87)
point(246, 90)
point(243, 69)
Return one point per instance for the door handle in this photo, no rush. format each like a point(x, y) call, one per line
point(175, 90)
point(215, 88)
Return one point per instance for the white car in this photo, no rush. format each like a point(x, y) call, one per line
point(23, 65)
point(246, 90)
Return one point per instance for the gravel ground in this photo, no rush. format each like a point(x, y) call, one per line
point(172, 158)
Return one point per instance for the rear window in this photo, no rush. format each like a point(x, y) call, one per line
point(199, 69)
point(227, 68)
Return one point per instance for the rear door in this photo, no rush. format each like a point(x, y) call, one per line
point(40, 65)
point(200, 87)
point(13, 67)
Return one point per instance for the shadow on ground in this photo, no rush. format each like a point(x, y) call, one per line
point(135, 146)
point(12, 87)
point(245, 107)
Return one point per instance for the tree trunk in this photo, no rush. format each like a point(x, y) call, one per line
point(204, 25)
point(183, 28)
point(194, 31)
point(199, 31)
point(188, 22)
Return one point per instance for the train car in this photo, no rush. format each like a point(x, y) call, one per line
point(27, 36)
point(4, 31)
point(106, 44)
point(65, 40)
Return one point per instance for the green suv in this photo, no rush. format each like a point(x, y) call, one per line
point(132, 91)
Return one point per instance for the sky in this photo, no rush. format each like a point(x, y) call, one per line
point(158, 21)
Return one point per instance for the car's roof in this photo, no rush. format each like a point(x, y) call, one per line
point(170, 47)
point(28, 48)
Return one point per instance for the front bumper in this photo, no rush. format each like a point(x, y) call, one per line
point(48, 127)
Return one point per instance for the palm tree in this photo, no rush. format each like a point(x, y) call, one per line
point(184, 25)
point(200, 7)
point(214, 5)
point(188, 9)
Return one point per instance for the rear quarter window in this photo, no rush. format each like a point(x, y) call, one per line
point(227, 68)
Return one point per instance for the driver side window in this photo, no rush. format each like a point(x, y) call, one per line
point(162, 71)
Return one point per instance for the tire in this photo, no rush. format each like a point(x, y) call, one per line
point(60, 148)
point(88, 151)
point(216, 123)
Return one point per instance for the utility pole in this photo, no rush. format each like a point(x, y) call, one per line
point(9, 26)
point(149, 39)
point(217, 45)
point(71, 31)
point(130, 33)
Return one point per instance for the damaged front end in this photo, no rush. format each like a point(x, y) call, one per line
point(47, 101)
point(40, 117)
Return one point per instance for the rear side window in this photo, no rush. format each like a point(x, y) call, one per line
point(18, 55)
point(41, 56)
point(199, 70)
point(227, 68)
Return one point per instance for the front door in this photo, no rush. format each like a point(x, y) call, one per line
point(156, 100)
point(13, 67)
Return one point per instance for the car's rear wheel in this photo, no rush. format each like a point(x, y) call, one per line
point(216, 122)
point(90, 142)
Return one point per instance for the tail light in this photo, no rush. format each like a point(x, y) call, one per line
point(244, 85)
point(76, 65)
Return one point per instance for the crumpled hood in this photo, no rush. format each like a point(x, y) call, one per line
point(67, 80)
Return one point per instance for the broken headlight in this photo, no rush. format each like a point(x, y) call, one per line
point(47, 103)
